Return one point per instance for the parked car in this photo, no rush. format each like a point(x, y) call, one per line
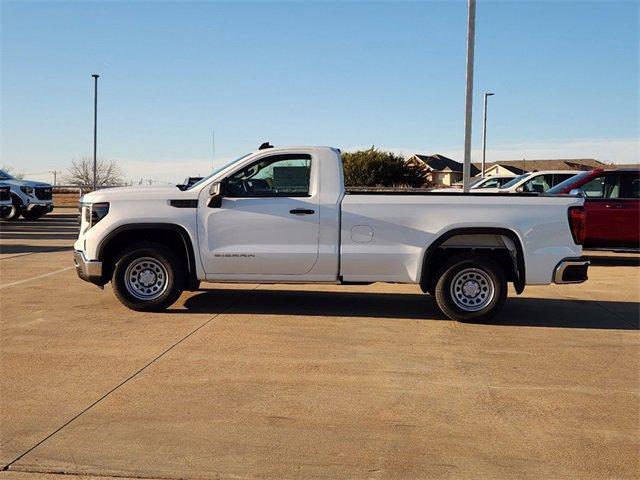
point(5, 198)
point(538, 182)
point(612, 206)
point(28, 198)
point(188, 182)
point(284, 215)
point(494, 181)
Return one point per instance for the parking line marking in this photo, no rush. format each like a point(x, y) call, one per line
point(20, 282)
point(225, 310)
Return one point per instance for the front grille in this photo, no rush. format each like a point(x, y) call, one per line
point(4, 193)
point(44, 193)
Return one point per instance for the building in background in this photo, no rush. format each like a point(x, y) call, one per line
point(441, 171)
point(519, 167)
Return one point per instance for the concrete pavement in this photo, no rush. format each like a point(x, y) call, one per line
point(258, 381)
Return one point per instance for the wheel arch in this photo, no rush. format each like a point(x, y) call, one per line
point(431, 261)
point(170, 234)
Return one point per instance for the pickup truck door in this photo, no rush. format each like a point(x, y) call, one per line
point(269, 220)
point(628, 210)
point(611, 218)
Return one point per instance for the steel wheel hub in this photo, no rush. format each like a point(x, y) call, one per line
point(472, 289)
point(146, 278)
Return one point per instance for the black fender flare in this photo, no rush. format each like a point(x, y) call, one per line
point(192, 277)
point(519, 264)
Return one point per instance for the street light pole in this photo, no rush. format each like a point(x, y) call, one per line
point(471, 36)
point(95, 128)
point(484, 132)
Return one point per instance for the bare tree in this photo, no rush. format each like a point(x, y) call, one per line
point(80, 173)
point(12, 171)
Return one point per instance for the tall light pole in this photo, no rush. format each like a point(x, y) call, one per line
point(484, 131)
point(471, 37)
point(95, 128)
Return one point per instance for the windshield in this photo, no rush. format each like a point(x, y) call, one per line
point(217, 170)
point(511, 183)
point(562, 186)
point(476, 182)
point(5, 176)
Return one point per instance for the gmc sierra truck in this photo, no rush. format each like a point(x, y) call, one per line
point(27, 198)
point(283, 215)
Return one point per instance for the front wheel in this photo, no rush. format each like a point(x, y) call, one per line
point(147, 277)
point(471, 287)
point(13, 212)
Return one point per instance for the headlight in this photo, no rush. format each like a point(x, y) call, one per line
point(28, 190)
point(92, 213)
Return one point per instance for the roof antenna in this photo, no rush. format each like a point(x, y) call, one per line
point(265, 145)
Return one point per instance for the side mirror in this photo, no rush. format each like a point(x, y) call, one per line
point(217, 192)
point(578, 192)
point(520, 189)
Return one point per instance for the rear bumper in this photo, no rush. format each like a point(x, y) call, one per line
point(571, 270)
point(88, 270)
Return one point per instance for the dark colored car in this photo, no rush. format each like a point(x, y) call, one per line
point(612, 204)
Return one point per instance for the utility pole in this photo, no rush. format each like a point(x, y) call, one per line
point(95, 128)
point(471, 36)
point(213, 147)
point(55, 175)
point(484, 131)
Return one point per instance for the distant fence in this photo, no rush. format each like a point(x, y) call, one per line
point(69, 195)
point(78, 189)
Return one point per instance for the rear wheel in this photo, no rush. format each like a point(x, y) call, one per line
point(471, 287)
point(13, 212)
point(147, 277)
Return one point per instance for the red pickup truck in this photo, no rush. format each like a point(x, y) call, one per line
point(612, 206)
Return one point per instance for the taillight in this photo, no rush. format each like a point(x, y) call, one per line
point(578, 224)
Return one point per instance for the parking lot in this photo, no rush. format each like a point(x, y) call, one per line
point(283, 381)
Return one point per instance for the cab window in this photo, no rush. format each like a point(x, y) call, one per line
point(605, 186)
point(276, 176)
point(561, 177)
point(539, 184)
point(493, 183)
point(594, 188)
point(630, 185)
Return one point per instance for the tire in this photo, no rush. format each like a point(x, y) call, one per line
point(147, 277)
point(13, 212)
point(471, 287)
point(32, 214)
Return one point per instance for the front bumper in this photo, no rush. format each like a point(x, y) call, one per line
point(88, 270)
point(571, 270)
point(44, 205)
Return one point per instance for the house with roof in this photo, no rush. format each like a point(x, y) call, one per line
point(518, 167)
point(440, 170)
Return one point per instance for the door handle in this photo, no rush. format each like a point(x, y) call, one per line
point(302, 211)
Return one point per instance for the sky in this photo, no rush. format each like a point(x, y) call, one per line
point(345, 74)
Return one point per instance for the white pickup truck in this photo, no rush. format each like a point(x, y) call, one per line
point(283, 215)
